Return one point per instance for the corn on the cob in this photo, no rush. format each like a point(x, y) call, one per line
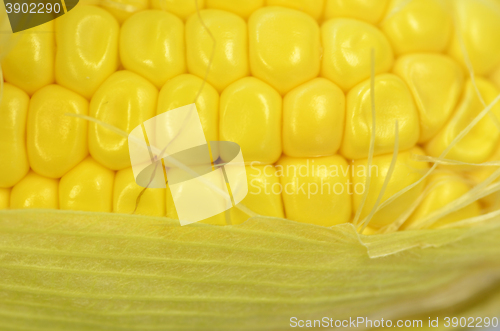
point(284, 116)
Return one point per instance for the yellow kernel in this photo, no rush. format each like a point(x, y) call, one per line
point(284, 47)
point(264, 194)
point(313, 119)
point(181, 8)
point(436, 82)
point(124, 100)
point(87, 49)
point(406, 172)
point(480, 143)
point(35, 191)
point(417, 26)
point(444, 189)
point(495, 77)
point(477, 26)
point(393, 102)
point(243, 8)
point(369, 231)
point(156, 56)
point(126, 192)
point(230, 61)
point(56, 142)
point(30, 63)
point(370, 11)
point(87, 187)
point(14, 158)
point(480, 174)
point(316, 190)
point(250, 115)
point(347, 47)
point(219, 219)
point(4, 198)
point(313, 8)
point(123, 9)
point(181, 91)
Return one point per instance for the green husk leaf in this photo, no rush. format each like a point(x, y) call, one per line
point(63, 270)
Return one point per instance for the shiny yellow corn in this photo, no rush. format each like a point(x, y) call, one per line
point(290, 81)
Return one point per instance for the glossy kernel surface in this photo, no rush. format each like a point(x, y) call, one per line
point(264, 197)
point(482, 140)
point(418, 26)
point(250, 115)
point(157, 56)
point(313, 119)
point(13, 155)
point(87, 187)
point(126, 193)
point(87, 49)
point(30, 63)
point(284, 48)
point(393, 102)
point(35, 191)
point(407, 171)
point(347, 46)
point(230, 61)
point(436, 82)
point(124, 100)
point(316, 190)
point(56, 142)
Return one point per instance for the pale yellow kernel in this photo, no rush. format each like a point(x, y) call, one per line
point(13, 155)
point(123, 9)
point(56, 142)
point(480, 174)
point(243, 8)
point(264, 194)
point(181, 8)
point(181, 91)
point(313, 119)
point(495, 77)
point(480, 143)
point(393, 102)
point(477, 25)
point(406, 172)
point(347, 47)
point(369, 231)
point(311, 7)
point(29, 64)
point(417, 26)
point(444, 189)
point(87, 187)
point(124, 100)
point(284, 46)
point(436, 82)
point(316, 190)
point(35, 191)
point(157, 56)
point(4, 198)
point(230, 61)
point(370, 11)
point(219, 219)
point(126, 193)
point(251, 116)
point(87, 49)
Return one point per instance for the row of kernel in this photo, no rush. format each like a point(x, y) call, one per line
point(313, 120)
point(283, 47)
point(323, 191)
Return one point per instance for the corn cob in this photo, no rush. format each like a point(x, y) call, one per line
point(308, 103)
point(290, 82)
